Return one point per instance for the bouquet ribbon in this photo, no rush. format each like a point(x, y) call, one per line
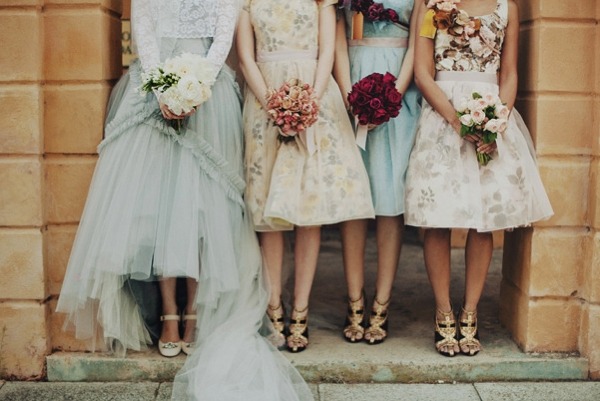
point(309, 138)
point(361, 134)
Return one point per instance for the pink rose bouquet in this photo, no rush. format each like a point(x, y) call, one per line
point(293, 108)
point(485, 116)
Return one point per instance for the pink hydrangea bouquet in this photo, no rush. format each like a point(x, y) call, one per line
point(293, 108)
point(182, 83)
point(485, 116)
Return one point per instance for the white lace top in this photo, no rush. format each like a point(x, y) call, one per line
point(153, 20)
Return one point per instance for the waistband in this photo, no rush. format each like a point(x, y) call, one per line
point(284, 55)
point(380, 42)
point(472, 76)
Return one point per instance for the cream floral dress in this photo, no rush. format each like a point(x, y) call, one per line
point(294, 183)
point(445, 185)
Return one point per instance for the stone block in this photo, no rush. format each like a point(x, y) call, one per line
point(113, 5)
point(21, 128)
point(21, 194)
point(514, 312)
point(24, 340)
point(21, 52)
point(21, 264)
point(592, 273)
point(566, 181)
point(59, 241)
point(591, 335)
point(558, 257)
point(80, 129)
point(563, 124)
point(82, 44)
point(572, 71)
point(594, 209)
point(516, 259)
point(62, 338)
point(553, 325)
point(529, 58)
point(536, 9)
point(67, 183)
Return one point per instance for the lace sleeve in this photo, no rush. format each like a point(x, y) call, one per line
point(226, 19)
point(144, 28)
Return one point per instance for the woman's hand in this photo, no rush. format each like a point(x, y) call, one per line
point(487, 148)
point(169, 115)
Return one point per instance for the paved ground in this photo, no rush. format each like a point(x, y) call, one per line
point(405, 367)
point(511, 391)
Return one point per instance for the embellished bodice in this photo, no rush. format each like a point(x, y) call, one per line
point(285, 25)
point(478, 52)
point(384, 29)
point(153, 21)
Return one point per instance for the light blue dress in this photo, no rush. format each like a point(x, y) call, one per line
point(389, 145)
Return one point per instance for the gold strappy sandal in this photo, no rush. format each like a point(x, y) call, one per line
point(276, 315)
point(445, 333)
point(354, 327)
point(468, 336)
point(378, 322)
point(297, 341)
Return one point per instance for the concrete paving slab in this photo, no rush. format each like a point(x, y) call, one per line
point(164, 392)
point(42, 391)
point(397, 392)
point(408, 356)
point(573, 391)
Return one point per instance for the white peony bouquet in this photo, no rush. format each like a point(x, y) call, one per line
point(485, 116)
point(182, 83)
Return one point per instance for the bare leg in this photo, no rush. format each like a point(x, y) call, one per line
point(437, 261)
point(354, 237)
point(306, 253)
point(389, 242)
point(190, 309)
point(170, 328)
point(478, 255)
point(272, 246)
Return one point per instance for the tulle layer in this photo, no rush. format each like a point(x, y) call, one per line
point(286, 184)
point(446, 187)
point(388, 145)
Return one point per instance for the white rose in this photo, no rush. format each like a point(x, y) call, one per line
point(491, 125)
point(490, 98)
point(462, 18)
point(478, 116)
point(475, 45)
point(502, 125)
point(446, 6)
point(447, 63)
point(462, 105)
point(467, 120)
point(172, 99)
point(502, 111)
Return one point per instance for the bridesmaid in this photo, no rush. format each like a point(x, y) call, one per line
point(446, 185)
point(363, 47)
point(290, 186)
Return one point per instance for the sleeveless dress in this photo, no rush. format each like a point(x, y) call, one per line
point(388, 145)
point(446, 187)
point(287, 183)
point(170, 204)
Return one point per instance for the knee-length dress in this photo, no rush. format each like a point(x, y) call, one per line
point(446, 187)
point(167, 203)
point(287, 184)
point(382, 49)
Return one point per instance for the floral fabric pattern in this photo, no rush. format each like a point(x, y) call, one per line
point(446, 186)
point(286, 185)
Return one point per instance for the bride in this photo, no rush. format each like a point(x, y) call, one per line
point(166, 203)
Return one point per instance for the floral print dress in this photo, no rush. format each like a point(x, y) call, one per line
point(289, 184)
point(446, 187)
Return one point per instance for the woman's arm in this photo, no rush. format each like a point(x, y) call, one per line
point(247, 59)
point(508, 79)
point(405, 76)
point(327, 32)
point(341, 63)
point(425, 79)
point(223, 37)
point(144, 25)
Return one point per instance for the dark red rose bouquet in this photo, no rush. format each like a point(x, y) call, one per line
point(374, 100)
point(374, 11)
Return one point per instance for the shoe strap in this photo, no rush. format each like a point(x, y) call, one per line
point(189, 317)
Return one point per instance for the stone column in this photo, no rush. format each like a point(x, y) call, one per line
point(58, 60)
point(551, 272)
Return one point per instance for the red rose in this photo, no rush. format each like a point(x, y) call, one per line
point(393, 96)
point(389, 78)
point(376, 104)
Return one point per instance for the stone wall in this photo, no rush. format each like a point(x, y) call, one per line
point(551, 273)
point(59, 59)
